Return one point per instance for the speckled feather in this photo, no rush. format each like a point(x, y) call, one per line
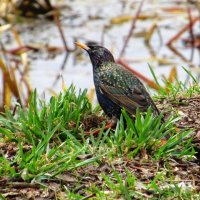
point(123, 88)
point(116, 87)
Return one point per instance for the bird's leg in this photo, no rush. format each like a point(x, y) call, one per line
point(109, 125)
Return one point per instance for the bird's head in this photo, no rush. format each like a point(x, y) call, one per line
point(98, 54)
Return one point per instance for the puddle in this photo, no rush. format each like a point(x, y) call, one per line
point(90, 19)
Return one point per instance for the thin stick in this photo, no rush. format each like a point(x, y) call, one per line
point(65, 46)
point(191, 33)
point(177, 36)
point(176, 52)
point(131, 29)
point(56, 19)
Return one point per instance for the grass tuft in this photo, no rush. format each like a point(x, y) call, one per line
point(146, 133)
point(44, 141)
point(177, 88)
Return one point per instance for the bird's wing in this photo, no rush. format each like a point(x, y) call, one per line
point(130, 100)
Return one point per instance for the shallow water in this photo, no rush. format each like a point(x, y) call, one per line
point(90, 18)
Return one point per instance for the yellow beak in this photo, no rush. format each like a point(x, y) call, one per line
point(83, 46)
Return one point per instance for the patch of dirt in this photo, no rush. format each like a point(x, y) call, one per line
point(91, 122)
point(21, 190)
point(187, 108)
point(144, 171)
point(189, 111)
point(80, 180)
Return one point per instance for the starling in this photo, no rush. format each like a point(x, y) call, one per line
point(116, 87)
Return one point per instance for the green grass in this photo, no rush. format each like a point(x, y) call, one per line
point(127, 186)
point(175, 89)
point(39, 127)
point(146, 133)
point(48, 140)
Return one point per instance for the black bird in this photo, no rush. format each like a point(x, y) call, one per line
point(116, 87)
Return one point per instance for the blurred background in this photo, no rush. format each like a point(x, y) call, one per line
point(37, 42)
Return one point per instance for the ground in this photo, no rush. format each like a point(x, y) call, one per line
point(82, 182)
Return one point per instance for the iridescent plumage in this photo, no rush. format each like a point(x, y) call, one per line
point(116, 87)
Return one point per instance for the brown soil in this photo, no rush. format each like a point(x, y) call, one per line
point(189, 111)
point(93, 121)
point(145, 170)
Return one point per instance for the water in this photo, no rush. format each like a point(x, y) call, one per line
point(90, 19)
